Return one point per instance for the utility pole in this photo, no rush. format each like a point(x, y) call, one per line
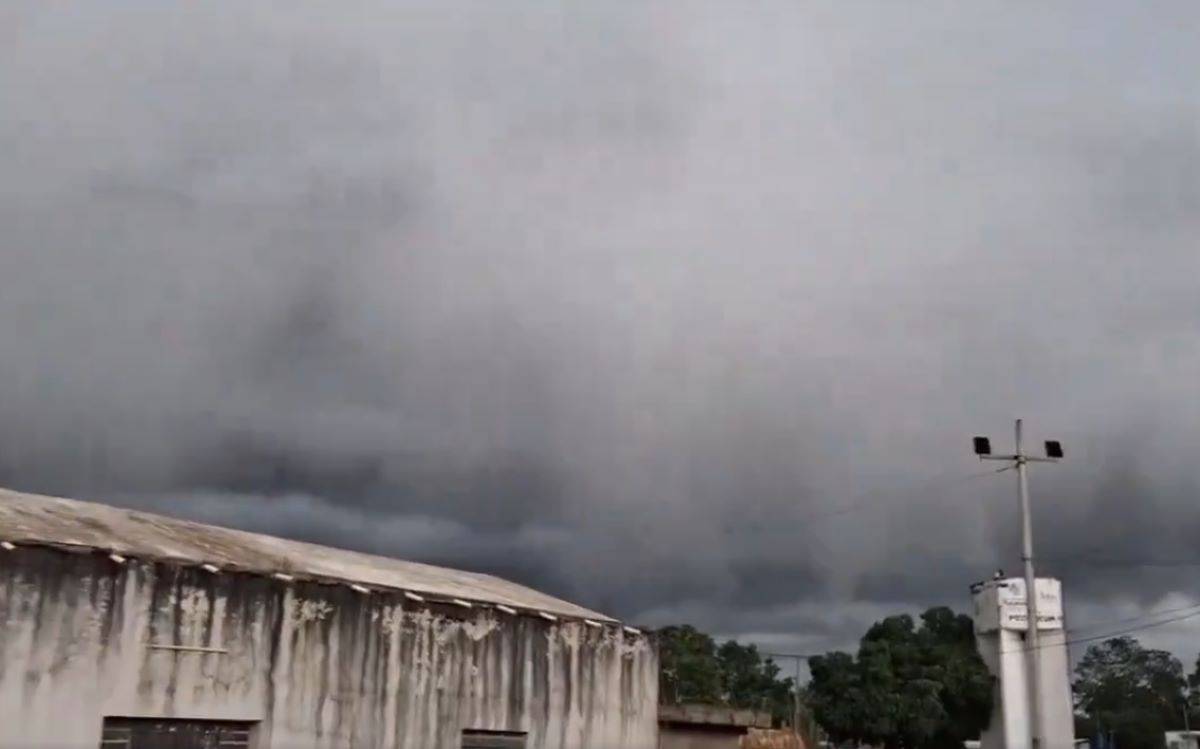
point(1020, 461)
point(796, 708)
point(1190, 741)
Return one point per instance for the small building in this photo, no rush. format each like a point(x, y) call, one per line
point(716, 727)
point(127, 630)
point(1182, 740)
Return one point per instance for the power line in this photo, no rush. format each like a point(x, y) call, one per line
point(1114, 562)
point(866, 502)
point(1144, 615)
point(796, 694)
point(799, 656)
point(1150, 625)
point(863, 501)
point(1117, 633)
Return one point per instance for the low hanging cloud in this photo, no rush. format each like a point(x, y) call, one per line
point(681, 310)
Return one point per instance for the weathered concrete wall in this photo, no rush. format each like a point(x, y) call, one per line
point(317, 665)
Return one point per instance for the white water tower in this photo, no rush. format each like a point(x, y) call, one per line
point(1000, 629)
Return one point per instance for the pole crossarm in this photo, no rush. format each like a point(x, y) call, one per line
point(1019, 461)
point(1019, 458)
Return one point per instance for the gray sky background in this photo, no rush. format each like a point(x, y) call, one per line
point(682, 310)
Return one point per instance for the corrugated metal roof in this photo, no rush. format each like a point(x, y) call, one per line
point(35, 519)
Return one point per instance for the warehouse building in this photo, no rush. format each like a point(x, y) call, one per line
point(127, 630)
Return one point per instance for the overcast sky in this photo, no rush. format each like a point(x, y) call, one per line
point(681, 310)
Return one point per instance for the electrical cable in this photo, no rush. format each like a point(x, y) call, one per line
point(1109, 635)
point(862, 501)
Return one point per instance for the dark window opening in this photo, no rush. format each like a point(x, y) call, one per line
point(473, 739)
point(171, 733)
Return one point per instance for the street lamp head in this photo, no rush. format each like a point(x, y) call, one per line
point(1054, 449)
point(983, 446)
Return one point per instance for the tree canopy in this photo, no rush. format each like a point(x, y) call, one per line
point(922, 684)
point(695, 669)
point(1130, 693)
point(908, 686)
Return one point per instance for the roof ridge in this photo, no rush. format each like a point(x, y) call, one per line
point(53, 520)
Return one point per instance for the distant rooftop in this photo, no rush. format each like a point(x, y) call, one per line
point(53, 521)
point(717, 716)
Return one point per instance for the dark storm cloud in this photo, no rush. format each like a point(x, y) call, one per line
point(680, 311)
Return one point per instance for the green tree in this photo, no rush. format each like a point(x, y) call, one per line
point(749, 680)
point(1134, 693)
point(909, 686)
point(689, 670)
point(837, 697)
point(694, 669)
point(1193, 694)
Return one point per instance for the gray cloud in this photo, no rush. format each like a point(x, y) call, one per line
point(676, 310)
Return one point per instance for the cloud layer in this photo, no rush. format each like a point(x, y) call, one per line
point(679, 310)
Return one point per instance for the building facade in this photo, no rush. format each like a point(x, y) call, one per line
point(119, 628)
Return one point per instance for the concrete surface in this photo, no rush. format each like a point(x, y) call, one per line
point(1000, 639)
point(314, 665)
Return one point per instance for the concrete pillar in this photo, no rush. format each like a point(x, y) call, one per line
point(1000, 627)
